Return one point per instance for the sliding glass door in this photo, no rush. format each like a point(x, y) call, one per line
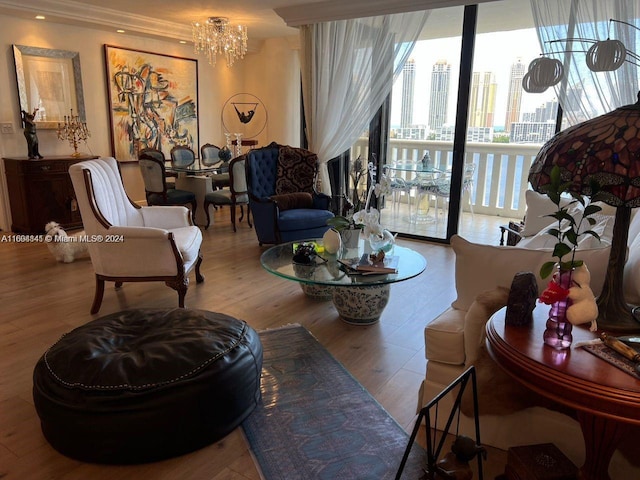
point(462, 132)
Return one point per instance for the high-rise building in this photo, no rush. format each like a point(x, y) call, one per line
point(514, 96)
point(408, 84)
point(483, 99)
point(438, 99)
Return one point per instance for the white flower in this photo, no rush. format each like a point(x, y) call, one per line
point(371, 221)
point(383, 187)
point(360, 217)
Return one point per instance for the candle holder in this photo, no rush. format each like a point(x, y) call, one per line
point(74, 131)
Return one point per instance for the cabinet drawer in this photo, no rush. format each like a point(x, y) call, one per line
point(45, 167)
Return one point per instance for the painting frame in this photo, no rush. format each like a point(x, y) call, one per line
point(152, 101)
point(49, 80)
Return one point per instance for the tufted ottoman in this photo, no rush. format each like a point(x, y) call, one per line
point(143, 385)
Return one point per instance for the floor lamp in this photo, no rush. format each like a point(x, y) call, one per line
point(605, 149)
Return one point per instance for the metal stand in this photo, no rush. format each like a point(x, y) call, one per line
point(434, 451)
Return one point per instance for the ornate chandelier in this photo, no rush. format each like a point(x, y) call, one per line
point(216, 36)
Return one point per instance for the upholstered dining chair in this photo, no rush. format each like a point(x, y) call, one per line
point(209, 156)
point(182, 156)
point(155, 153)
point(284, 204)
point(235, 195)
point(156, 189)
point(138, 244)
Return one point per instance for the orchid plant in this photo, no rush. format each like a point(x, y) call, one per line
point(368, 218)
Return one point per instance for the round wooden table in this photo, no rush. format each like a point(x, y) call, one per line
point(606, 399)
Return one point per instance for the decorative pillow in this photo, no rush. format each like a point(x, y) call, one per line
point(603, 227)
point(479, 267)
point(539, 205)
point(290, 201)
point(296, 170)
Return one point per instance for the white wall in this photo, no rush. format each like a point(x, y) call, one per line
point(272, 74)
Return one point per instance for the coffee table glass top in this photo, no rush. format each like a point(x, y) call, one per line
point(328, 271)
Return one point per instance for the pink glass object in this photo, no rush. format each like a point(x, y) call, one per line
point(558, 333)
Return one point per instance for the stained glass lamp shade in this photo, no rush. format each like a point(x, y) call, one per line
point(606, 149)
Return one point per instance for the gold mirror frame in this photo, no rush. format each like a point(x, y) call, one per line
point(55, 78)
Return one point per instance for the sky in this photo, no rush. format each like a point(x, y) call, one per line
point(494, 52)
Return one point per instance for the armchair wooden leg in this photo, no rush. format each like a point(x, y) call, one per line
point(97, 298)
point(199, 276)
point(206, 211)
point(180, 286)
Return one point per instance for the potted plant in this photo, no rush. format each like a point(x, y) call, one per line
point(366, 219)
point(570, 277)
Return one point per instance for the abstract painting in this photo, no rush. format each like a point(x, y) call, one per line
point(153, 101)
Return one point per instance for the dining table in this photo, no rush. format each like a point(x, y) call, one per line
point(418, 178)
point(195, 178)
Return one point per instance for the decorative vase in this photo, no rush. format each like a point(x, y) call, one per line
point(558, 332)
point(350, 237)
point(332, 241)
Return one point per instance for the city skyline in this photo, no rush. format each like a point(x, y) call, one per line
point(520, 127)
point(495, 52)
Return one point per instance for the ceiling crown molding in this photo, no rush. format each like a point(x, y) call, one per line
point(332, 10)
point(75, 13)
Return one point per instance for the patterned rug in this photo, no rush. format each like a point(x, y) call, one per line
point(317, 422)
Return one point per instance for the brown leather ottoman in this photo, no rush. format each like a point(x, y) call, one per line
point(143, 385)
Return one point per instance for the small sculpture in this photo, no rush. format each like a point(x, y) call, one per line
point(522, 299)
point(455, 464)
point(30, 133)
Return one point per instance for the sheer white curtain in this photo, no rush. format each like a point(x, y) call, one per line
point(348, 69)
point(582, 93)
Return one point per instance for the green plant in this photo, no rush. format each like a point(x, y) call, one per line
point(341, 223)
point(569, 229)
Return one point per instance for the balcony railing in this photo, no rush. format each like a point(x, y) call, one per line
point(500, 177)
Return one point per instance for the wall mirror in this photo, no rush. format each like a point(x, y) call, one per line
point(51, 81)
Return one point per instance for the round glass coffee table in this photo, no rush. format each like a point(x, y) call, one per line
point(359, 298)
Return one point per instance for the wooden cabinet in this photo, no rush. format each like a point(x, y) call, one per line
point(40, 190)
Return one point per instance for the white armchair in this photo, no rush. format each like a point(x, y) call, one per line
point(129, 243)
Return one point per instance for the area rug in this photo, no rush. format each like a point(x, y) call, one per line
point(317, 422)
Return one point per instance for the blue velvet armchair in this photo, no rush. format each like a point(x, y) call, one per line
point(282, 197)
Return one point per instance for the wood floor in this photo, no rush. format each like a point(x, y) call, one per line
point(41, 299)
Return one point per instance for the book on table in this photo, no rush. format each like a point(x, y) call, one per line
point(366, 265)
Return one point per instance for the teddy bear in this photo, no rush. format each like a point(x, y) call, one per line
point(583, 307)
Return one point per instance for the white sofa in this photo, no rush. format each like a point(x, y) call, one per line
point(455, 340)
